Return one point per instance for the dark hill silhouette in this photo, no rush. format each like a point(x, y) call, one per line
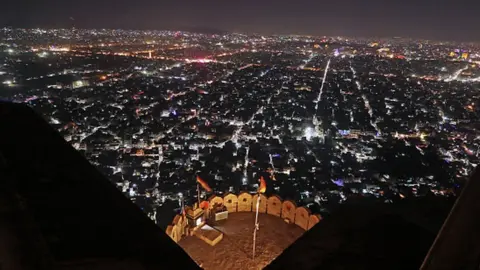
point(369, 236)
point(58, 212)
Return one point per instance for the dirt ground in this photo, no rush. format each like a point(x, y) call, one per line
point(235, 250)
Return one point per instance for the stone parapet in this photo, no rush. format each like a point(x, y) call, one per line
point(246, 202)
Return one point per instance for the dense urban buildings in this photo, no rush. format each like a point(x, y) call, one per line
point(324, 119)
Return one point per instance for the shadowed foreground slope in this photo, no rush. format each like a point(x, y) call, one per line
point(375, 236)
point(58, 212)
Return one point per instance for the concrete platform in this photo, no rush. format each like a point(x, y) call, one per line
point(235, 250)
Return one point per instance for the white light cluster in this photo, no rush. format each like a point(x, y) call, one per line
point(309, 133)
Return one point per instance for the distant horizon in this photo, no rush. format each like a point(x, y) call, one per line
point(418, 19)
point(204, 30)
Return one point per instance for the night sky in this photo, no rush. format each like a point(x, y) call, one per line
point(440, 19)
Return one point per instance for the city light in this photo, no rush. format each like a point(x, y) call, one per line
point(8, 83)
point(309, 133)
point(42, 54)
point(154, 108)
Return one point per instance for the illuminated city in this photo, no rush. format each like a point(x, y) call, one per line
point(326, 119)
point(323, 121)
point(239, 135)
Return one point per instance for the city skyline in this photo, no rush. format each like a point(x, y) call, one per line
point(426, 19)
